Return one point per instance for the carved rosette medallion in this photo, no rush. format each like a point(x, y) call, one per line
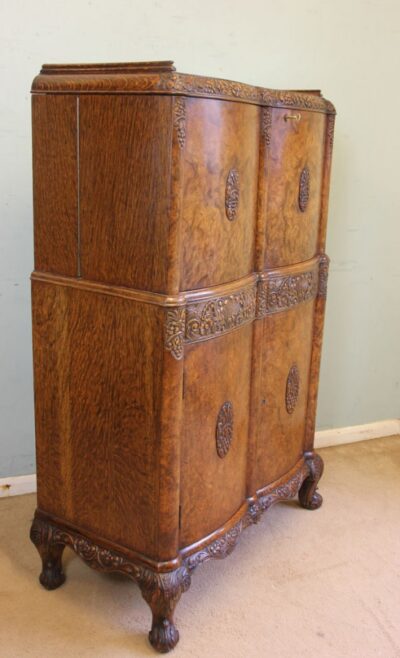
point(232, 194)
point(180, 119)
point(304, 189)
point(281, 292)
point(292, 389)
point(224, 429)
point(174, 331)
point(218, 315)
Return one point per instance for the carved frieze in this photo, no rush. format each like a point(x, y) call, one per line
point(304, 189)
point(206, 319)
point(174, 331)
point(224, 429)
point(170, 82)
point(323, 275)
point(330, 129)
point(298, 100)
point(224, 545)
point(292, 388)
point(204, 86)
point(266, 125)
point(280, 292)
point(180, 119)
point(232, 192)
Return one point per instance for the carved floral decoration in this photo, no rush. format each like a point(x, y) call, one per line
point(232, 194)
point(292, 389)
point(304, 189)
point(224, 431)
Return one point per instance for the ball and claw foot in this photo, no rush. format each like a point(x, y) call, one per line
point(162, 592)
point(164, 635)
point(308, 495)
point(52, 575)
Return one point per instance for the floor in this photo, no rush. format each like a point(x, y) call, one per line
point(301, 583)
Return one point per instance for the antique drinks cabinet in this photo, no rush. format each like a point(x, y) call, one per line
point(178, 302)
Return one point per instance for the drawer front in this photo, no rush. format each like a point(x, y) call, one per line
point(215, 432)
point(293, 182)
point(220, 172)
point(280, 403)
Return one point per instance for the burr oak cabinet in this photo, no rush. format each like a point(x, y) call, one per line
point(178, 301)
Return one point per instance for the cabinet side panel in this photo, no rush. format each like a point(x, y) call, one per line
point(125, 163)
point(97, 397)
point(55, 194)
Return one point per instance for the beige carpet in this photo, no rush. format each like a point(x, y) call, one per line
point(323, 583)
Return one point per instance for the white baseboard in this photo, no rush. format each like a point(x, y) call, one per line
point(340, 435)
point(24, 484)
point(15, 486)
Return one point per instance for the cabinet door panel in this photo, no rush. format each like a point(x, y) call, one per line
point(219, 192)
point(213, 476)
point(294, 176)
point(281, 401)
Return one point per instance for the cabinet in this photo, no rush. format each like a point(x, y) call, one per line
point(178, 301)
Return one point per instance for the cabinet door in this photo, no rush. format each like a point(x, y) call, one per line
point(293, 180)
point(215, 432)
point(219, 191)
point(281, 401)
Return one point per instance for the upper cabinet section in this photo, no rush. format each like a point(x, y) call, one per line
point(293, 180)
point(161, 181)
point(102, 187)
point(219, 181)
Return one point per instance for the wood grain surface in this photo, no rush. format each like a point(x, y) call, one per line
point(98, 402)
point(221, 137)
point(178, 304)
point(55, 184)
point(212, 489)
point(292, 235)
point(285, 341)
point(125, 153)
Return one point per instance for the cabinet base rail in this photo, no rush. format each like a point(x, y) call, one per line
point(162, 584)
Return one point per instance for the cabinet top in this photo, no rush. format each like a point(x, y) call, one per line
point(162, 78)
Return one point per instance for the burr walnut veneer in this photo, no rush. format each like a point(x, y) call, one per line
point(178, 303)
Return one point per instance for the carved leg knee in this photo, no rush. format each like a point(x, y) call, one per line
point(52, 575)
point(162, 592)
point(308, 494)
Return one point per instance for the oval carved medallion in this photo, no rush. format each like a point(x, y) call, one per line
point(224, 431)
point(304, 189)
point(292, 389)
point(232, 194)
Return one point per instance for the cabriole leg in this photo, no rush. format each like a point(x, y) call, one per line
point(52, 575)
point(162, 592)
point(308, 494)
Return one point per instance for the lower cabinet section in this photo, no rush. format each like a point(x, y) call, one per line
point(215, 432)
point(280, 392)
